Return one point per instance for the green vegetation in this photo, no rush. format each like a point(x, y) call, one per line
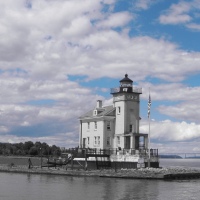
point(29, 148)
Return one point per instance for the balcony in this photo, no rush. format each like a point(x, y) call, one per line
point(94, 152)
point(134, 89)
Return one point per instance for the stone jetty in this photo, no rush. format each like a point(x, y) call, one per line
point(143, 173)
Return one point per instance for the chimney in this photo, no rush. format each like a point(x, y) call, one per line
point(99, 103)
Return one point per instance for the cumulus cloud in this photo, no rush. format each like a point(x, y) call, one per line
point(143, 4)
point(43, 42)
point(182, 13)
point(115, 20)
point(47, 46)
point(193, 26)
point(61, 140)
point(185, 111)
point(42, 107)
point(170, 92)
point(183, 100)
point(165, 131)
point(177, 13)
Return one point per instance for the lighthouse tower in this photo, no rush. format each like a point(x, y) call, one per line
point(126, 100)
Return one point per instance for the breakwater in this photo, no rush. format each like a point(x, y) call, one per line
point(20, 165)
point(143, 173)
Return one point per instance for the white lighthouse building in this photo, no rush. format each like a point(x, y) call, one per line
point(116, 125)
point(112, 132)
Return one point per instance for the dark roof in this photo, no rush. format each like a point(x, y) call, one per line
point(106, 112)
point(126, 79)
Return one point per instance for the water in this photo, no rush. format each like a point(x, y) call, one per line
point(50, 187)
point(187, 163)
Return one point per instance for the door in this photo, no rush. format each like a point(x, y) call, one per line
point(127, 142)
point(84, 142)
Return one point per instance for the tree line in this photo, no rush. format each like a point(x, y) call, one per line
point(29, 148)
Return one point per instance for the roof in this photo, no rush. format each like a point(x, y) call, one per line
point(107, 111)
point(126, 79)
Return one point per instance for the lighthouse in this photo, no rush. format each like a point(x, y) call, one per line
point(112, 132)
point(126, 100)
point(116, 125)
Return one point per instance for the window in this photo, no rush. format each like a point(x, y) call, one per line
point(108, 126)
point(88, 140)
point(118, 110)
point(95, 112)
point(131, 128)
point(95, 140)
point(98, 140)
point(108, 141)
point(125, 89)
point(95, 125)
point(88, 124)
point(118, 140)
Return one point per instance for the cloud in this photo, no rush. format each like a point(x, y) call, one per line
point(143, 4)
point(61, 140)
point(177, 13)
point(185, 111)
point(168, 131)
point(43, 42)
point(116, 20)
point(174, 100)
point(184, 12)
point(75, 42)
point(193, 26)
point(43, 107)
point(170, 92)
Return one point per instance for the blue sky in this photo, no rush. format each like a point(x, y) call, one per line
point(58, 57)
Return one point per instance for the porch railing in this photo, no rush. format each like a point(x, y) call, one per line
point(112, 151)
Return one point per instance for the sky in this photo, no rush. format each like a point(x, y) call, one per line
point(57, 57)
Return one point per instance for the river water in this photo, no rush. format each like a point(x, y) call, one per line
point(49, 187)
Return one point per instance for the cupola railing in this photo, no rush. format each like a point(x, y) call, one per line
point(134, 89)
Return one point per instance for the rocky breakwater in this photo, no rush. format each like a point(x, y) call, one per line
point(143, 173)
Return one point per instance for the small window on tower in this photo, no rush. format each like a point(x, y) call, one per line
point(125, 89)
point(88, 139)
point(131, 128)
point(108, 126)
point(88, 125)
point(118, 110)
